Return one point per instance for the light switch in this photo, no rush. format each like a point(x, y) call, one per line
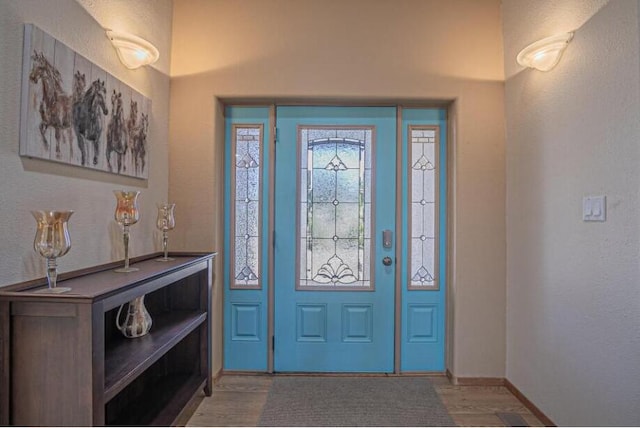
point(594, 208)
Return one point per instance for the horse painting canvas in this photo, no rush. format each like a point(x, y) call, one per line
point(76, 113)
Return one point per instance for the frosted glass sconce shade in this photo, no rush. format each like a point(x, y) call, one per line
point(544, 54)
point(133, 51)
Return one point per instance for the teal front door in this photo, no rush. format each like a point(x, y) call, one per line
point(334, 276)
point(335, 239)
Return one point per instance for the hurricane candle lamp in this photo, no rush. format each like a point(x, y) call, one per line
point(126, 214)
point(165, 222)
point(52, 241)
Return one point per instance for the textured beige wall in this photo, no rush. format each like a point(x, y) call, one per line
point(29, 184)
point(573, 301)
point(356, 51)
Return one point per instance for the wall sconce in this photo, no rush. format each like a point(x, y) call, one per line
point(133, 51)
point(544, 54)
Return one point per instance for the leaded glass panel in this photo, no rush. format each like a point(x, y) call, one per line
point(246, 172)
point(335, 207)
point(423, 149)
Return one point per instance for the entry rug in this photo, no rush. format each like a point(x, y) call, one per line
point(353, 401)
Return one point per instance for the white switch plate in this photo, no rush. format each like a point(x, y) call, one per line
point(594, 208)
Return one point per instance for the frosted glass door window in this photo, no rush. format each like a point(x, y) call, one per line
point(423, 146)
point(245, 218)
point(335, 207)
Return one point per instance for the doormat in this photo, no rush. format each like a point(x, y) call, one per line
point(353, 401)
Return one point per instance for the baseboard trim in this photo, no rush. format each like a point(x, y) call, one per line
point(475, 381)
point(327, 374)
point(499, 381)
point(528, 404)
point(217, 376)
point(243, 373)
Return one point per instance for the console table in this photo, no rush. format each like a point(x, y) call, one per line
point(63, 362)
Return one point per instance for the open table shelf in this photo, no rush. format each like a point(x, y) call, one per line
point(63, 362)
point(130, 357)
point(157, 408)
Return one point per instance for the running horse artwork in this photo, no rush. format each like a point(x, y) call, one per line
point(116, 133)
point(66, 97)
point(139, 144)
point(137, 133)
point(55, 105)
point(88, 111)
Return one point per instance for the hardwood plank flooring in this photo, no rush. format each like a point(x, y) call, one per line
point(237, 400)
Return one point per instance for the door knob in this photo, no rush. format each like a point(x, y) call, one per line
point(387, 261)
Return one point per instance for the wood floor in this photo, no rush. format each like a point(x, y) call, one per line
point(237, 400)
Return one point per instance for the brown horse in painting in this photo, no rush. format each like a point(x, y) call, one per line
point(132, 124)
point(139, 143)
point(55, 105)
point(88, 111)
point(116, 133)
point(137, 135)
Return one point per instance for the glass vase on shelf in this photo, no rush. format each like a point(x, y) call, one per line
point(137, 322)
point(165, 222)
point(126, 214)
point(52, 241)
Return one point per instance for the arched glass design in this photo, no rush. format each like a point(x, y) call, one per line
point(335, 208)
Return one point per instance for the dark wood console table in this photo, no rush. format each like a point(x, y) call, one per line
point(63, 362)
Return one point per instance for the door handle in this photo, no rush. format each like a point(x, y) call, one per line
point(387, 261)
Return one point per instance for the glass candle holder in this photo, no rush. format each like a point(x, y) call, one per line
point(52, 241)
point(165, 222)
point(126, 214)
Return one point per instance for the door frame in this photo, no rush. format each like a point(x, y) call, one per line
point(450, 109)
